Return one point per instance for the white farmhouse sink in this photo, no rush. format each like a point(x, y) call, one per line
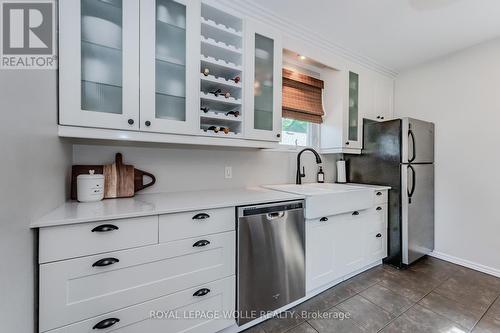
point(330, 199)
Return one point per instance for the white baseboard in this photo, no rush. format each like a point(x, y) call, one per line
point(466, 263)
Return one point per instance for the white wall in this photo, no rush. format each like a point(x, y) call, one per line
point(188, 169)
point(32, 177)
point(461, 95)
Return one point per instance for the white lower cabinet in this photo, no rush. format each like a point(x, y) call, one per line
point(188, 270)
point(350, 241)
point(339, 245)
point(169, 314)
point(320, 253)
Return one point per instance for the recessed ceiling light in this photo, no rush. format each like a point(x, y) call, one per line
point(301, 57)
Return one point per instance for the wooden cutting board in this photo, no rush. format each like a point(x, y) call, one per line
point(117, 178)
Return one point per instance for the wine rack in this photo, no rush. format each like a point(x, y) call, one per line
point(221, 73)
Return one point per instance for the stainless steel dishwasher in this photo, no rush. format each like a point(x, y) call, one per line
point(271, 257)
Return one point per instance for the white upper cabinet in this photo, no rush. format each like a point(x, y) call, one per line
point(263, 82)
point(169, 46)
point(349, 97)
point(220, 72)
point(99, 63)
point(383, 104)
point(196, 71)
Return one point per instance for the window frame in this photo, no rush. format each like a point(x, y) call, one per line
point(313, 133)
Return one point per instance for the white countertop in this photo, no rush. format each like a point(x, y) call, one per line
point(155, 204)
point(375, 187)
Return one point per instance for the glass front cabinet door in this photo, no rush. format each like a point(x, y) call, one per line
point(169, 48)
point(99, 63)
point(353, 132)
point(264, 61)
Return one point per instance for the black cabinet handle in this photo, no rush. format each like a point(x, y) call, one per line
point(201, 243)
point(201, 216)
point(106, 323)
point(379, 193)
point(378, 117)
point(347, 143)
point(105, 228)
point(130, 121)
point(201, 292)
point(382, 118)
point(323, 219)
point(378, 235)
point(147, 123)
point(278, 135)
point(379, 208)
point(105, 262)
point(355, 213)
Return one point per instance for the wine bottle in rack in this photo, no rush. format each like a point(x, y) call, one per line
point(233, 113)
point(215, 129)
point(205, 109)
point(236, 79)
point(218, 92)
point(206, 71)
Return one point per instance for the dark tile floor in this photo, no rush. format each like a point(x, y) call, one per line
point(431, 296)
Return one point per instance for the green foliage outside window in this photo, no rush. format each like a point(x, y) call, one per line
point(293, 125)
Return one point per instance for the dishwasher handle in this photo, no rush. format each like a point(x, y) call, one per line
point(275, 215)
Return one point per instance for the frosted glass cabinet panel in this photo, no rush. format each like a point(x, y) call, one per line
point(264, 65)
point(99, 66)
point(353, 106)
point(263, 83)
point(102, 55)
point(168, 29)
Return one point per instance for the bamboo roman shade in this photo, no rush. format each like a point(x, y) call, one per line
point(302, 97)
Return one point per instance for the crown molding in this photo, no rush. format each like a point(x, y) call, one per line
point(298, 30)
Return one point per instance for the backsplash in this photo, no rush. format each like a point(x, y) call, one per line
point(188, 169)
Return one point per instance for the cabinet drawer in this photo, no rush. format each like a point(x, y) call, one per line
point(376, 245)
point(81, 288)
point(152, 316)
point(381, 197)
point(341, 217)
point(77, 240)
point(196, 223)
point(379, 216)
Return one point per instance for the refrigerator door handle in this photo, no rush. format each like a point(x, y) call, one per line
point(412, 136)
point(411, 189)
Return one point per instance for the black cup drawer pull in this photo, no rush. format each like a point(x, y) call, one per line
point(201, 243)
point(378, 235)
point(201, 216)
point(105, 228)
point(105, 262)
point(323, 219)
point(355, 213)
point(106, 323)
point(201, 292)
point(379, 208)
point(379, 193)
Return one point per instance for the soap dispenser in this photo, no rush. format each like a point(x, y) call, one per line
point(321, 175)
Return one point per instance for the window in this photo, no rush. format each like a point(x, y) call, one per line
point(298, 133)
point(302, 107)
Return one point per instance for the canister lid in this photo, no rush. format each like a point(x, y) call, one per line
point(90, 175)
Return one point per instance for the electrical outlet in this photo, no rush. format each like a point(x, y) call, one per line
point(228, 172)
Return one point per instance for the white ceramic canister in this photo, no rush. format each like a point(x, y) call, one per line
point(90, 187)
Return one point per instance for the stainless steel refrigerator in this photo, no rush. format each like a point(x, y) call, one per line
point(400, 153)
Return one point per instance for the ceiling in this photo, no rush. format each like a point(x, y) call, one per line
point(396, 34)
